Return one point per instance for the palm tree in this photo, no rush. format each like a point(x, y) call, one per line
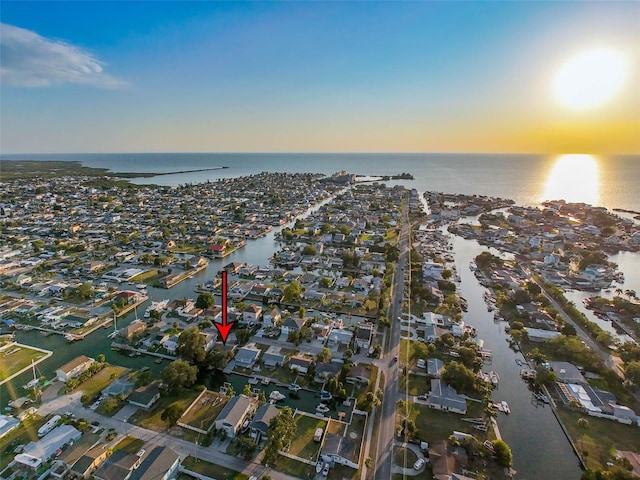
point(630, 294)
point(619, 291)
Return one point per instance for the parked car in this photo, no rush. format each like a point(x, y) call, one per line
point(422, 397)
point(419, 464)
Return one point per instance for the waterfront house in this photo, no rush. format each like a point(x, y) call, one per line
point(260, 422)
point(445, 397)
point(133, 329)
point(217, 250)
point(247, 356)
point(272, 358)
point(234, 413)
point(300, 363)
point(74, 368)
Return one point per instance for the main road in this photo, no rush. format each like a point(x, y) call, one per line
point(389, 364)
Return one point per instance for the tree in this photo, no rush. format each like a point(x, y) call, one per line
point(632, 372)
point(324, 356)
point(101, 358)
point(325, 282)
point(503, 453)
point(171, 414)
point(246, 390)
point(143, 378)
point(191, 346)
point(281, 430)
point(243, 335)
point(85, 290)
point(179, 375)
point(459, 376)
point(205, 300)
point(292, 292)
point(309, 250)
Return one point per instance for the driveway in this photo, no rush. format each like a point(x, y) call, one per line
point(125, 412)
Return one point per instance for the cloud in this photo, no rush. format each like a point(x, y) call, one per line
point(30, 60)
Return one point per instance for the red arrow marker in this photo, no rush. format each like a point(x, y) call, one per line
point(224, 328)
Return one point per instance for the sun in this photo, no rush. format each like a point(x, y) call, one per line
point(590, 79)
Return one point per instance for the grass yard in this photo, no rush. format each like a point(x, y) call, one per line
point(294, 468)
point(340, 472)
point(101, 380)
point(303, 445)
point(212, 470)
point(436, 425)
point(418, 385)
point(25, 433)
point(110, 406)
point(203, 414)
point(152, 421)
point(15, 358)
point(404, 457)
point(145, 276)
point(599, 438)
point(129, 444)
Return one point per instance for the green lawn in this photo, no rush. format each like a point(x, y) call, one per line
point(152, 420)
point(212, 470)
point(436, 425)
point(418, 385)
point(599, 438)
point(145, 276)
point(25, 433)
point(110, 406)
point(303, 445)
point(294, 468)
point(404, 457)
point(205, 412)
point(16, 361)
point(129, 444)
point(101, 380)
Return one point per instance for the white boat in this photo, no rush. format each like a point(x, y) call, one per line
point(319, 466)
point(265, 381)
point(322, 408)
point(113, 334)
point(324, 395)
point(294, 387)
point(505, 407)
point(277, 396)
point(141, 286)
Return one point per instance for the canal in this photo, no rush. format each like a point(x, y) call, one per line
point(540, 448)
point(256, 252)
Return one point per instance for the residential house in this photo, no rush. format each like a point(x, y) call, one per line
point(217, 250)
point(146, 396)
point(74, 368)
point(324, 371)
point(300, 363)
point(271, 318)
point(340, 337)
point(260, 422)
point(37, 453)
point(272, 358)
point(90, 461)
point(160, 463)
point(234, 413)
point(292, 324)
point(7, 424)
point(445, 397)
point(247, 356)
point(134, 328)
point(364, 335)
point(251, 314)
point(118, 466)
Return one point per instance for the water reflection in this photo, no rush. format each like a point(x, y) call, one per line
point(574, 178)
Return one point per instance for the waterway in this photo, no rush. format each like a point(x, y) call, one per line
point(540, 448)
point(257, 252)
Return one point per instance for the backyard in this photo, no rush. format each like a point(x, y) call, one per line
point(436, 425)
point(101, 380)
point(303, 445)
point(202, 413)
point(599, 437)
point(15, 358)
point(212, 470)
point(152, 420)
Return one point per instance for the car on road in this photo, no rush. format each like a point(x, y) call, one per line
point(419, 464)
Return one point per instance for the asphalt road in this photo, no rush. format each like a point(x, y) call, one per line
point(389, 366)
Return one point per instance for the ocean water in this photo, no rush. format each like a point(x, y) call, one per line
point(611, 181)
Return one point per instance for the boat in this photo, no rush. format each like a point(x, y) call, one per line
point(495, 378)
point(319, 466)
point(265, 381)
point(505, 407)
point(322, 408)
point(324, 395)
point(113, 334)
point(294, 387)
point(277, 396)
point(253, 381)
point(70, 338)
point(141, 286)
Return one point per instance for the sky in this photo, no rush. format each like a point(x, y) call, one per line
point(80, 77)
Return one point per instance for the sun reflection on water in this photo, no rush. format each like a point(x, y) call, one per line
point(574, 178)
